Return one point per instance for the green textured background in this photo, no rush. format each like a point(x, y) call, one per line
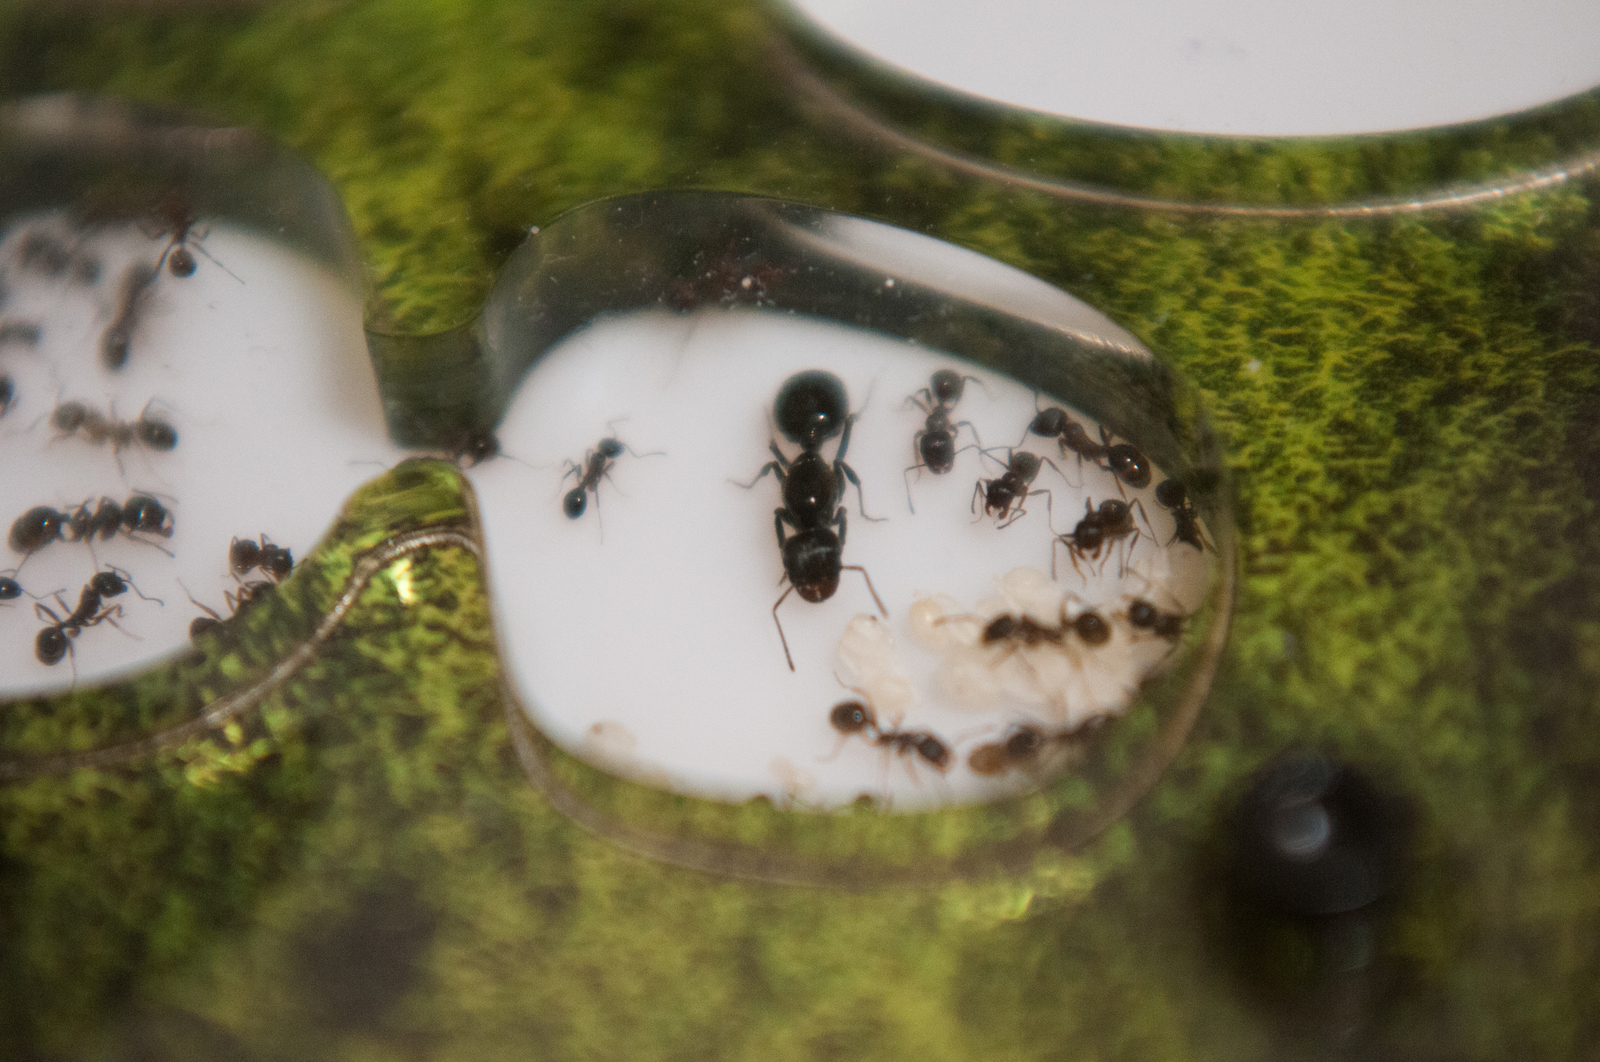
point(1412, 414)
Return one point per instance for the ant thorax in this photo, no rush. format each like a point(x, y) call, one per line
point(159, 415)
point(747, 545)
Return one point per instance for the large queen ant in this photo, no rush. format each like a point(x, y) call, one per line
point(812, 407)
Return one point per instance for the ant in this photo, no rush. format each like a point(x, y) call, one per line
point(1021, 749)
point(472, 446)
point(1098, 528)
point(857, 717)
point(118, 337)
point(1172, 494)
point(248, 593)
point(810, 409)
point(1123, 460)
point(1009, 490)
point(42, 525)
point(275, 562)
point(176, 216)
point(10, 589)
point(596, 466)
point(1142, 615)
point(71, 417)
point(935, 444)
point(52, 642)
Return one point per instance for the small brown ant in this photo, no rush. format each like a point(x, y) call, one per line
point(1009, 490)
point(857, 717)
point(1022, 748)
point(1099, 528)
point(935, 444)
point(1172, 495)
point(274, 561)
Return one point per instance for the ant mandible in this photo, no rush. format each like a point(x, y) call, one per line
point(1004, 495)
point(935, 444)
point(811, 408)
point(596, 465)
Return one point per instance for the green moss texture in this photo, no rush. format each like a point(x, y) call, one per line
point(1411, 409)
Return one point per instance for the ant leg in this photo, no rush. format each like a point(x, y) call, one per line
point(906, 475)
point(774, 467)
point(861, 501)
point(868, 578)
point(216, 263)
point(978, 493)
point(781, 597)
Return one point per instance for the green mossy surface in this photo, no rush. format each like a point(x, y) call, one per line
point(360, 870)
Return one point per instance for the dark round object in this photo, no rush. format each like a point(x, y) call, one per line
point(850, 717)
point(1049, 422)
point(108, 584)
point(480, 446)
point(157, 434)
point(201, 624)
point(1129, 464)
point(68, 417)
point(934, 751)
point(947, 386)
point(999, 629)
point(1315, 837)
point(938, 450)
point(1024, 744)
point(243, 555)
point(1172, 494)
point(144, 513)
point(1092, 628)
point(10, 589)
point(8, 393)
point(181, 263)
point(277, 561)
point(1143, 614)
point(574, 503)
point(34, 528)
point(811, 406)
point(50, 646)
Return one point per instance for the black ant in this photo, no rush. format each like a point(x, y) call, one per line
point(1004, 495)
point(10, 589)
point(69, 418)
point(1142, 615)
point(935, 444)
point(1172, 494)
point(274, 561)
point(176, 216)
point(247, 593)
point(1098, 528)
point(131, 294)
point(811, 408)
point(857, 717)
point(42, 525)
point(1124, 460)
point(596, 466)
point(53, 642)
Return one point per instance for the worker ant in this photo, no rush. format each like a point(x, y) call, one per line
point(52, 643)
point(935, 444)
point(275, 562)
point(857, 717)
point(70, 418)
point(596, 465)
point(131, 296)
point(1112, 521)
point(1004, 495)
point(811, 408)
point(42, 525)
point(175, 214)
point(1022, 748)
point(1172, 494)
point(1123, 460)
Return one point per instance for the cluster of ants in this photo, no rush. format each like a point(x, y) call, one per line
point(141, 514)
point(1023, 747)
